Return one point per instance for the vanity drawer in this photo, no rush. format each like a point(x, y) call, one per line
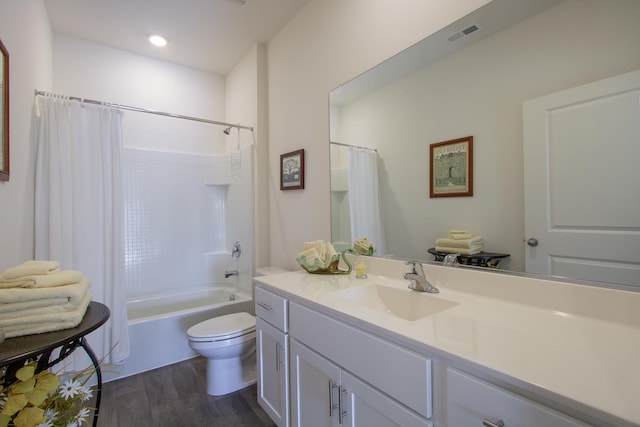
point(473, 402)
point(272, 308)
point(399, 373)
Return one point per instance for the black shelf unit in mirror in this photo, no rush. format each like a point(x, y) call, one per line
point(481, 259)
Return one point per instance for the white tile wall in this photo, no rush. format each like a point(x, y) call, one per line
point(172, 219)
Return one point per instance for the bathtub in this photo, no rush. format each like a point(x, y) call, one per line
point(158, 325)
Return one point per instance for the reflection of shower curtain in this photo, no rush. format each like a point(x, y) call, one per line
point(78, 207)
point(364, 198)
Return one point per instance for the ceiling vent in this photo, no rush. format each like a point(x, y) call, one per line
point(464, 32)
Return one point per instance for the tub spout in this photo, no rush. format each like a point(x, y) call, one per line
point(229, 273)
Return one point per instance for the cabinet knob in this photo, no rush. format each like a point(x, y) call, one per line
point(489, 423)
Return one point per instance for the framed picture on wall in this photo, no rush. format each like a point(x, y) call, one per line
point(451, 168)
point(292, 170)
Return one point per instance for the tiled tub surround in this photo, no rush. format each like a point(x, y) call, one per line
point(569, 346)
point(182, 214)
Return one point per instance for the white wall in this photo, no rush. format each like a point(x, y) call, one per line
point(26, 33)
point(479, 91)
point(95, 71)
point(325, 44)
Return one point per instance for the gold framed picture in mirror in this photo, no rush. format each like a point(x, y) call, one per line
point(451, 168)
point(4, 113)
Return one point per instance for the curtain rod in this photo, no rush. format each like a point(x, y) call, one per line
point(353, 146)
point(144, 110)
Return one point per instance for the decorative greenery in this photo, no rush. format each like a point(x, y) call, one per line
point(42, 400)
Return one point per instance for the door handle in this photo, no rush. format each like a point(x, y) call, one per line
point(342, 412)
point(533, 242)
point(332, 406)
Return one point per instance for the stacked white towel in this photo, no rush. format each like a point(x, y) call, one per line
point(460, 241)
point(37, 297)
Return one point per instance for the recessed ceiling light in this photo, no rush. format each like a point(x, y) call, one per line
point(157, 40)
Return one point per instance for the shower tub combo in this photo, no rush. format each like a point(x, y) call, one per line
point(158, 325)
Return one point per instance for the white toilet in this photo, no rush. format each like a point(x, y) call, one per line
point(229, 344)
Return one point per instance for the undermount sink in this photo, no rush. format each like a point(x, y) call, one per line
point(405, 304)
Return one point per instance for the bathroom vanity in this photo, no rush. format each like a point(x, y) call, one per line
point(489, 349)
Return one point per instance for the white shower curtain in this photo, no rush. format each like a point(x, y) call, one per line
point(364, 198)
point(79, 210)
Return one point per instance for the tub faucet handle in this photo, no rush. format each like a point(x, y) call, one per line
point(237, 250)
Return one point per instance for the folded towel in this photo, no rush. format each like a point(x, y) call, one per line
point(318, 245)
point(57, 278)
point(317, 254)
point(29, 268)
point(311, 257)
point(471, 243)
point(459, 234)
point(463, 251)
point(27, 325)
point(27, 302)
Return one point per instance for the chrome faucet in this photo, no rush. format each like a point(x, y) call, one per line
point(229, 273)
point(417, 278)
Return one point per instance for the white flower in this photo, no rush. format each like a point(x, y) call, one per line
point(69, 389)
point(50, 414)
point(83, 413)
point(72, 423)
point(48, 423)
point(85, 393)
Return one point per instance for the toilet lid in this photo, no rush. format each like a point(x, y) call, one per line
point(226, 326)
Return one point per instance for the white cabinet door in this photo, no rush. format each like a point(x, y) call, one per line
point(323, 394)
point(273, 372)
point(364, 406)
point(314, 388)
point(582, 198)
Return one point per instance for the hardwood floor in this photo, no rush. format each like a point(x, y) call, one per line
point(175, 396)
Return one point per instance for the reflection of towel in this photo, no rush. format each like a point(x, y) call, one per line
point(36, 324)
point(475, 241)
point(459, 234)
point(25, 302)
point(30, 268)
point(57, 278)
point(463, 251)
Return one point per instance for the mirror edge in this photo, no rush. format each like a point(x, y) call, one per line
point(4, 167)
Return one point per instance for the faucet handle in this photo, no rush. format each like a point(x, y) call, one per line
point(451, 260)
point(416, 267)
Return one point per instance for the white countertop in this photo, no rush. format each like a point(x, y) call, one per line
point(591, 361)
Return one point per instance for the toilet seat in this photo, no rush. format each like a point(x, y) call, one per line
point(223, 328)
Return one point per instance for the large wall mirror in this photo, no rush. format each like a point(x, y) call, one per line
point(4, 113)
point(472, 79)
